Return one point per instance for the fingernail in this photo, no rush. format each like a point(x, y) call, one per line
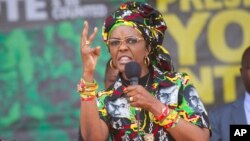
point(124, 89)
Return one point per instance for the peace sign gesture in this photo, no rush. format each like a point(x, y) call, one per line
point(89, 55)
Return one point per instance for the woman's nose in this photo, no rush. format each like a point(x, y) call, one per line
point(123, 46)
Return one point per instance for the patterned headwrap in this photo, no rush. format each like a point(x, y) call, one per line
point(149, 22)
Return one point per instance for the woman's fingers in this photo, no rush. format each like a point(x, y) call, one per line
point(134, 98)
point(97, 51)
point(137, 101)
point(89, 55)
point(130, 88)
point(133, 93)
point(84, 38)
point(92, 36)
point(138, 96)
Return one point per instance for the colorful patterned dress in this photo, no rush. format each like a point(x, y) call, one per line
point(172, 89)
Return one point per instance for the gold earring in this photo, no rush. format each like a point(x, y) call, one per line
point(111, 64)
point(146, 60)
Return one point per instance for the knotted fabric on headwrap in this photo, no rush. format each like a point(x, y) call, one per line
point(149, 22)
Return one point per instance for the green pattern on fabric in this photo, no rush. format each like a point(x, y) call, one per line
point(179, 99)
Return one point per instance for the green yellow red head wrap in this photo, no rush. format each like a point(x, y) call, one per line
point(149, 22)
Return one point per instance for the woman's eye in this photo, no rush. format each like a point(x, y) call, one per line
point(131, 41)
point(114, 42)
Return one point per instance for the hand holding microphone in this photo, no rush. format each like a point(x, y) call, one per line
point(133, 72)
point(137, 94)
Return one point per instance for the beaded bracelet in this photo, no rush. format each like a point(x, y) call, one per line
point(170, 120)
point(164, 113)
point(92, 93)
point(83, 86)
point(89, 98)
point(173, 123)
point(87, 90)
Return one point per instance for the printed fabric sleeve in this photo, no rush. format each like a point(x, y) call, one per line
point(190, 106)
point(101, 106)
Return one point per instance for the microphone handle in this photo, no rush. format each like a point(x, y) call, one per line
point(137, 112)
point(134, 81)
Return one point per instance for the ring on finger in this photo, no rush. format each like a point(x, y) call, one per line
point(87, 42)
point(131, 99)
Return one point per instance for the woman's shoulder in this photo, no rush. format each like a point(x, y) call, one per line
point(176, 74)
point(177, 77)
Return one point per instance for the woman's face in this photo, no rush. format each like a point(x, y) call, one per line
point(125, 45)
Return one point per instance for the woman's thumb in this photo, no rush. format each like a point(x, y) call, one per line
point(97, 51)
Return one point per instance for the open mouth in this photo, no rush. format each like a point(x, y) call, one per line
point(124, 59)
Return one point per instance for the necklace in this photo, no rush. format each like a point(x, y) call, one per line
point(149, 136)
point(138, 121)
point(147, 80)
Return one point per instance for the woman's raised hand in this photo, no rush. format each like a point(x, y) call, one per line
point(89, 55)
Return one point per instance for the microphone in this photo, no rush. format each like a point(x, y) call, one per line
point(133, 72)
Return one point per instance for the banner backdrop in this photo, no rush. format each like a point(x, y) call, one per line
point(206, 39)
point(40, 61)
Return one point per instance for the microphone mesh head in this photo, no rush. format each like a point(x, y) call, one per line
point(132, 69)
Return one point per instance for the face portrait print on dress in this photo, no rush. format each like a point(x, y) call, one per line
point(119, 108)
point(194, 101)
point(168, 95)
